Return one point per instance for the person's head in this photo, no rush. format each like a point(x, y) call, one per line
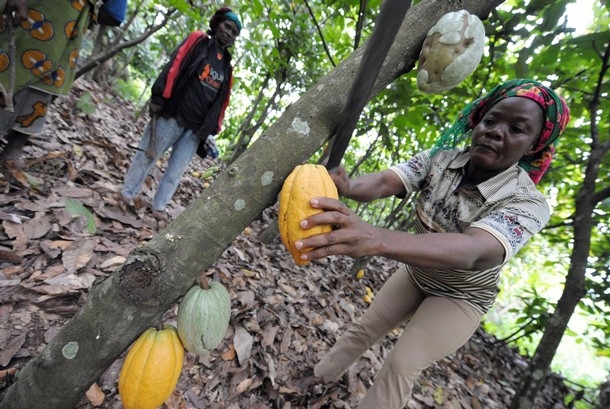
point(225, 26)
point(519, 121)
point(506, 133)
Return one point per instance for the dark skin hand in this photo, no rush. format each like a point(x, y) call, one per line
point(504, 135)
point(19, 10)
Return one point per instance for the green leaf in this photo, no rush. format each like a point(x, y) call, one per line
point(35, 182)
point(76, 208)
point(85, 104)
point(439, 396)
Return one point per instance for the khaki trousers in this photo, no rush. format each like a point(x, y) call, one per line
point(437, 327)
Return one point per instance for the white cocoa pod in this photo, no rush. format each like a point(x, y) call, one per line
point(451, 51)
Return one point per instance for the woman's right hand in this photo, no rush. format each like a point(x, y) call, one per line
point(341, 179)
point(350, 236)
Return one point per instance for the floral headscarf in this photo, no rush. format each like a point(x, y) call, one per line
point(556, 114)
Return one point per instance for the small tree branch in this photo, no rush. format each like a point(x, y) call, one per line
point(315, 22)
point(113, 51)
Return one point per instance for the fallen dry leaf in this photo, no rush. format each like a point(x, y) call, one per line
point(243, 344)
point(78, 254)
point(243, 386)
point(175, 401)
point(11, 348)
point(37, 227)
point(15, 231)
point(229, 354)
point(96, 395)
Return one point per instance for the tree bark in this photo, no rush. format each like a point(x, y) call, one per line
point(132, 298)
point(604, 395)
point(574, 289)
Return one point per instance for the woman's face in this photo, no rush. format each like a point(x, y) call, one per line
point(506, 133)
point(226, 33)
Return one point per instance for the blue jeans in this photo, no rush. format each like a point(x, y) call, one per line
point(183, 142)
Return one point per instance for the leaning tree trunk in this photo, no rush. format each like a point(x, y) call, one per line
point(120, 307)
point(535, 375)
point(604, 395)
point(574, 289)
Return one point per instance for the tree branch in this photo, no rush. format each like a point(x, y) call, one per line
point(315, 22)
point(360, 22)
point(601, 195)
point(112, 52)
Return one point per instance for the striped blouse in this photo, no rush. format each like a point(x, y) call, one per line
point(508, 206)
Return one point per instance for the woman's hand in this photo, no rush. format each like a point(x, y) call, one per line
point(350, 236)
point(342, 180)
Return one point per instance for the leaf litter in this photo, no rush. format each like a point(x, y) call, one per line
point(62, 227)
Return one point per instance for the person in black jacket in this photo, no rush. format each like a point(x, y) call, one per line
point(187, 106)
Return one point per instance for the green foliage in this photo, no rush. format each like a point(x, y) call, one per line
point(532, 318)
point(85, 103)
point(76, 208)
point(130, 90)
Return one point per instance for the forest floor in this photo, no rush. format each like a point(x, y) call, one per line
point(284, 317)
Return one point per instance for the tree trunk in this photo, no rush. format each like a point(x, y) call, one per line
point(100, 44)
point(535, 375)
point(574, 289)
point(120, 307)
point(604, 395)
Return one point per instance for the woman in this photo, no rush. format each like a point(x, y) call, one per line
point(187, 106)
point(477, 207)
point(47, 36)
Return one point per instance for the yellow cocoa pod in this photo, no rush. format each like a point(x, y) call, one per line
point(151, 368)
point(304, 183)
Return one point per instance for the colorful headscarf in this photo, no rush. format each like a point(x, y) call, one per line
point(556, 114)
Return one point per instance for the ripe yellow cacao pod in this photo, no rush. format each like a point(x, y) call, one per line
point(151, 369)
point(304, 183)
